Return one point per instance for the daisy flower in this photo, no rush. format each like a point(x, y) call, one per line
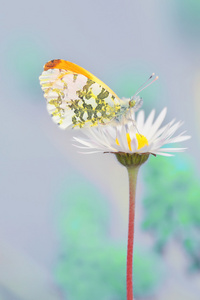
point(136, 136)
point(132, 142)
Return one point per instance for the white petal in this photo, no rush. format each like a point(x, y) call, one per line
point(144, 149)
point(172, 149)
point(140, 120)
point(121, 136)
point(179, 139)
point(134, 144)
point(173, 129)
point(162, 153)
point(148, 123)
point(160, 139)
point(84, 142)
point(157, 123)
point(158, 133)
point(90, 152)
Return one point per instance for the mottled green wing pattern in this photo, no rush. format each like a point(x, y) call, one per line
point(73, 100)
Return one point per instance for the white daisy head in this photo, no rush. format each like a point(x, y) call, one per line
point(136, 136)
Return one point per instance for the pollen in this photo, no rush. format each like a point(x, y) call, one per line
point(128, 141)
point(142, 141)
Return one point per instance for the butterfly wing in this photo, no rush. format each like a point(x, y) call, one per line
point(75, 97)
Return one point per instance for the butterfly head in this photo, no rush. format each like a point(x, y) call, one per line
point(135, 102)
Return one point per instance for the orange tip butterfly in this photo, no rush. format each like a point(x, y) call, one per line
point(77, 99)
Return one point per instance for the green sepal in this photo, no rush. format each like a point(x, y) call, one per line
point(135, 159)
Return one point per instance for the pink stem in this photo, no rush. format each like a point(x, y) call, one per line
point(132, 172)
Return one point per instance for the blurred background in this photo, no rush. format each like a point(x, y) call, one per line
point(63, 215)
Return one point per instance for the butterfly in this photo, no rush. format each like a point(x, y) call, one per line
point(76, 98)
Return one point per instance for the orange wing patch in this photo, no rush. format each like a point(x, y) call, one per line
point(77, 98)
point(73, 68)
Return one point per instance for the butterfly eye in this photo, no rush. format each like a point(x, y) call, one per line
point(132, 103)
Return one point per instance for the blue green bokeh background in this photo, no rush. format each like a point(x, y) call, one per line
point(63, 215)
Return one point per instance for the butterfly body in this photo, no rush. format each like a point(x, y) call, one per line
point(76, 98)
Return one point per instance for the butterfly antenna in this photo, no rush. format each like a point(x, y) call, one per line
point(146, 84)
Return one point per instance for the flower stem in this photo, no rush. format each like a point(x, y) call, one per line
point(132, 173)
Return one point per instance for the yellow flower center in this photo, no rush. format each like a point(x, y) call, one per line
point(128, 141)
point(117, 142)
point(142, 141)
